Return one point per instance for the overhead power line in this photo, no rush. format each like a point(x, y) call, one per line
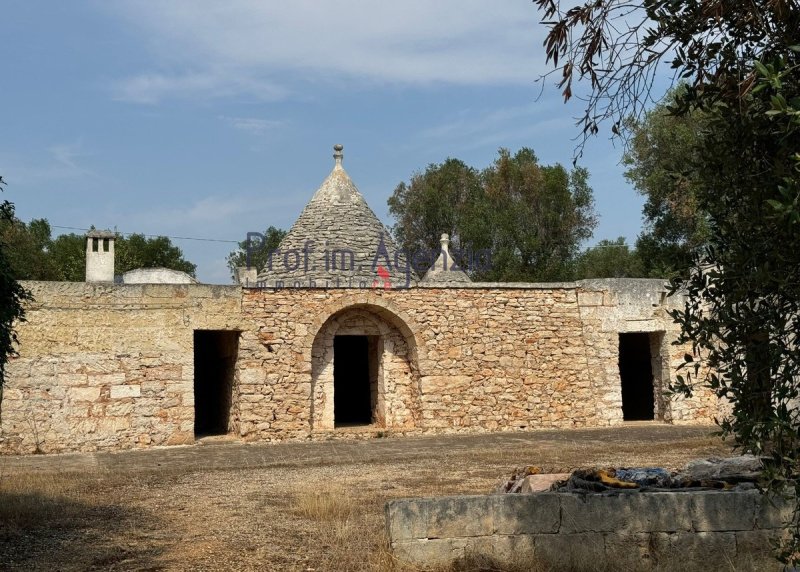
point(152, 235)
point(237, 241)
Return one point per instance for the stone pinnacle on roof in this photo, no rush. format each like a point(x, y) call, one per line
point(445, 270)
point(338, 155)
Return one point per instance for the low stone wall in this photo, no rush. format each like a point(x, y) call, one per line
point(706, 530)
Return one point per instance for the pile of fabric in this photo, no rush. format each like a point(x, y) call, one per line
point(739, 473)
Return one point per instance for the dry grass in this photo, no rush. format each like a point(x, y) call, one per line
point(329, 504)
point(305, 514)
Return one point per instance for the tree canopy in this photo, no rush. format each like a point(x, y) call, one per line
point(256, 251)
point(12, 297)
point(609, 259)
point(36, 255)
point(741, 64)
point(661, 147)
point(529, 218)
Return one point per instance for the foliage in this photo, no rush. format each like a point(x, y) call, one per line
point(609, 259)
point(12, 297)
point(259, 251)
point(137, 251)
point(617, 46)
point(35, 255)
point(70, 252)
point(28, 249)
point(540, 215)
point(531, 218)
point(443, 199)
point(741, 63)
point(743, 314)
point(661, 147)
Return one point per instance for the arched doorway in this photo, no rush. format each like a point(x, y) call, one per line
point(364, 371)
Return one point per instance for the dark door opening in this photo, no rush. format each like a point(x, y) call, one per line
point(636, 375)
point(214, 362)
point(354, 380)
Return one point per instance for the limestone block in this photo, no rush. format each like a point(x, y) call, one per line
point(590, 298)
point(758, 542)
point(106, 379)
point(254, 376)
point(180, 438)
point(107, 426)
point(565, 551)
point(541, 483)
point(626, 512)
point(84, 393)
point(628, 551)
point(122, 391)
point(526, 514)
point(407, 519)
point(454, 517)
point(430, 552)
point(699, 546)
point(503, 549)
point(723, 511)
point(773, 512)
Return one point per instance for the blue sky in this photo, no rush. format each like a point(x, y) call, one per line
point(201, 119)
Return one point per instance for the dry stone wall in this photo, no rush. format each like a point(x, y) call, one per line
point(106, 366)
point(111, 366)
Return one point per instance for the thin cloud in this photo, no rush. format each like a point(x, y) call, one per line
point(476, 128)
point(150, 88)
point(58, 162)
point(261, 49)
point(253, 125)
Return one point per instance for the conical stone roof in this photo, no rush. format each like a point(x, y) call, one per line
point(337, 242)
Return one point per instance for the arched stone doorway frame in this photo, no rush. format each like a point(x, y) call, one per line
point(383, 318)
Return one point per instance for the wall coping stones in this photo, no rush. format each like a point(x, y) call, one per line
point(613, 526)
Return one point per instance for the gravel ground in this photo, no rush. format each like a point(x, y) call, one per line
point(302, 506)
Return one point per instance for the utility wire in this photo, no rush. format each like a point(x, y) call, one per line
point(152, 235)
point(237, 241)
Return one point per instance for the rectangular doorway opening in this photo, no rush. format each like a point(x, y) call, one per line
point(214, 364)
point(355, 380)
point(636, 376)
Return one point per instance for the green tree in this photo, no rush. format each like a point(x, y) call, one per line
point(442, 199)
point(69, 250)
point(661, 147)
point(259, 251)
point(741, 63)
point(28, 249)
point(530, 217)
point(137, 251)
point(609, 259)
point(35, 255)
point(12, 297)
point(539, 215)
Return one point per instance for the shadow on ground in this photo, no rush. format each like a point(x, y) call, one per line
point(43, 532)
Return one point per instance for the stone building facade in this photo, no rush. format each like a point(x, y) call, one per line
point(116, 366)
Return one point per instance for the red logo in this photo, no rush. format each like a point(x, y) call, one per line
point(385, 276)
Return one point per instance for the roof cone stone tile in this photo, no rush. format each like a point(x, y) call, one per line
point(337, 242)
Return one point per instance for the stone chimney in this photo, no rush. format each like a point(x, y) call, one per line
point(100, 256)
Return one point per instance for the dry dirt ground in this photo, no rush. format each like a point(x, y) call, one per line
point(290, 506)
